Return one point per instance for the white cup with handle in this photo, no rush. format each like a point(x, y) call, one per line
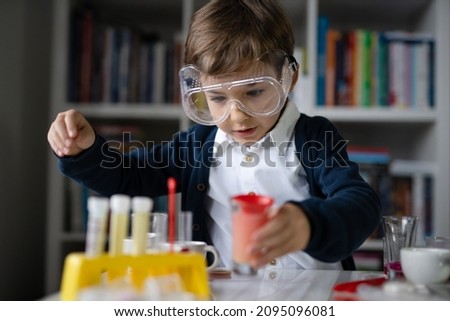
point(194, 246)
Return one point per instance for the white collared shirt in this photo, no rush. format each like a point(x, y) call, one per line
point(268, 167)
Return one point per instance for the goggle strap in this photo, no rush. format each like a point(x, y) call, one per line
point(293, 64)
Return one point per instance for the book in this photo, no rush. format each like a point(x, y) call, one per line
point(353, 68)
point(381, 90)
point(412, 193)
point(159, 71)
point(135, 60)
point(115, 70)
point(332, 37)
point(124, 64)
point(401, 196)
point(369, 154)
point(366, 68)
point(96, 94)
point(86, 56)
point(321, 59)
point(341, 83)
point(108, 48)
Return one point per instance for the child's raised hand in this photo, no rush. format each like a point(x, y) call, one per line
point(70, 134)
point(288, 230)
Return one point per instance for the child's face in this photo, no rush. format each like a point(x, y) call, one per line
point(241, 126)
point(261, 96)
point(245, 103)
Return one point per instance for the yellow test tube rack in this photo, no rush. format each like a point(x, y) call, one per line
point(81, 271)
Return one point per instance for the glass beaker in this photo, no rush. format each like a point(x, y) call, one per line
point(399, 232)
point(250, 212)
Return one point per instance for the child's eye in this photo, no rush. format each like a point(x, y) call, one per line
point(218, 99)
point(255, 92)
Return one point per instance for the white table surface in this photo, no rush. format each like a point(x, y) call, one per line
point(311, 285)
point(317, 285)
point(284, 285)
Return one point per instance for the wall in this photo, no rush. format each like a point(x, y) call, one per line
point(24, 109)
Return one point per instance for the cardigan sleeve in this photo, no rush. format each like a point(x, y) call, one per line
point(343, 209)
point(143, 171)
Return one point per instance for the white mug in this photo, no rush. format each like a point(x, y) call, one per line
point(195, 246)
point(423, 265)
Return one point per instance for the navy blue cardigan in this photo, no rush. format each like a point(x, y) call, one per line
point(343, 210)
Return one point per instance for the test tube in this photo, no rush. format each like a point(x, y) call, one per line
point(96, 228)
point(120, 208)
point(141, 207)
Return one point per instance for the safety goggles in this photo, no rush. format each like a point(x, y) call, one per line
point(260, 90)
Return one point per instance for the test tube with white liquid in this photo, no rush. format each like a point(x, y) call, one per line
point(98, 208)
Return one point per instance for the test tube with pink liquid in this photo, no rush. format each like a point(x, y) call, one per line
point(250, 212)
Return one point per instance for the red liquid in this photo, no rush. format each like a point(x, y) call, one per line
point(249, 214)
point(393, 270)
point(244, 225)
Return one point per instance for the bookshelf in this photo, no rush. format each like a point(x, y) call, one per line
point(420, 134)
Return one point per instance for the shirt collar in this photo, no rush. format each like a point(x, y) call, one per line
point(283, 130)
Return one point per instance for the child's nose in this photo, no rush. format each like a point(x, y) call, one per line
point(236, 114)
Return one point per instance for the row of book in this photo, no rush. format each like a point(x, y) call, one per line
point(115, 64)
point(405, 187)
point(374, 68)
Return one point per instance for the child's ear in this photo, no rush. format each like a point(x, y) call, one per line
point(294, 80)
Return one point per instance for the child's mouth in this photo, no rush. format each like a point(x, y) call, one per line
point(245, 132)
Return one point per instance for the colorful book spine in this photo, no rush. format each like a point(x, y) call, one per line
point(354, 68)
point(321, 59)
point(366, 68)
point(330, 76)
point(341, 85)
point(382, 70)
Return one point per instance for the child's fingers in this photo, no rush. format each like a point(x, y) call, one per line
point(55, 145)
point(271, 241)
point(273, 228)
point(63, 132)
point(57, 136)
point(276, 235)
point(272, 250)
point(287, 231)
point(73, 121)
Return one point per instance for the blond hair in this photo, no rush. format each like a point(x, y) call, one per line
point(225, 35)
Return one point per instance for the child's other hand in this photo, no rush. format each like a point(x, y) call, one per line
point(70, 134)
point(288, 230)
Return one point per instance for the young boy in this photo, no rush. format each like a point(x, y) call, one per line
point(252, 139)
